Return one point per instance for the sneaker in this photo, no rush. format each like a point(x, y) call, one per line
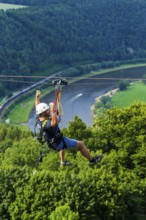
point(65, 163)
point(96, 159)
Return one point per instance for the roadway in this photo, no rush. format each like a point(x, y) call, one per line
point(24, 91)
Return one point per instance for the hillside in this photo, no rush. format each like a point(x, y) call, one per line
point(65, 33)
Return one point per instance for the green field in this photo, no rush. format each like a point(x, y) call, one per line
point(20, 113)
point(10, 6)
point(135, 92)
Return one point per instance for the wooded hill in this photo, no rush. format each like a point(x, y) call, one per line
point(115, 188)
point(66, 33)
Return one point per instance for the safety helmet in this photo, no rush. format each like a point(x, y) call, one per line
point(41, 107)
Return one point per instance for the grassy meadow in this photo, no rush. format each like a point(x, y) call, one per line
point(135, 92)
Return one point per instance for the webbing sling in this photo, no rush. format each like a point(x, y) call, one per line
point(57, 102)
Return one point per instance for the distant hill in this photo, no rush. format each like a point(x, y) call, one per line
point(52, 32)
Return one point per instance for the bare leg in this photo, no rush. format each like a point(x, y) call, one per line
point(84, 151)
point(62, 155)
point(64, 162)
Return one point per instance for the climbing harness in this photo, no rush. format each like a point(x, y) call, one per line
point(58, 90)
point(52, 142)
point(42, 136)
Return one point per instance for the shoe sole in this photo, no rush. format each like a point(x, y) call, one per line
point(99, 159)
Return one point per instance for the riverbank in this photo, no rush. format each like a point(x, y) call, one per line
point(109, 93)
point(97, 99)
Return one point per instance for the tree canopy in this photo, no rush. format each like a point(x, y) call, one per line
point(115, 188)
point(63, 32)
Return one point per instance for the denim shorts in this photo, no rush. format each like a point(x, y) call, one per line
point(70, 144)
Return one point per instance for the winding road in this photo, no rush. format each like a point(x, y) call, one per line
point(19, 93)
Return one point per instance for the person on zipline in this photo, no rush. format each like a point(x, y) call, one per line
point(48, 120)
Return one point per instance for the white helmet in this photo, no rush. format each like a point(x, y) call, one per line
point(41, 107)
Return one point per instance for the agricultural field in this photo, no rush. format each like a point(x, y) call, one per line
point(135, 92)
point(10, 6)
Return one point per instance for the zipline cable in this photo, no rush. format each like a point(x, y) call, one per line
point(84, 83)
point(78, 78)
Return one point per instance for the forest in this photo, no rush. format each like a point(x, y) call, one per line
point(59, 34)
point(65, 33)
point(115, 188)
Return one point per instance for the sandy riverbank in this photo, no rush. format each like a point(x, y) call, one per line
point(109, 93)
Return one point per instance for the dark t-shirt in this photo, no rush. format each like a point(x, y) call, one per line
point(50, 131)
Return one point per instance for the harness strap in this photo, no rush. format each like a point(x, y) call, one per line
point(56, 139)
point(58, 136)
point(44, 123)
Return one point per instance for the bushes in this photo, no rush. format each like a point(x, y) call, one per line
point(113, 189)
point(103, 104)
point(123, 84)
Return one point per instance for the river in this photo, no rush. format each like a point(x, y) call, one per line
point(77, 98)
